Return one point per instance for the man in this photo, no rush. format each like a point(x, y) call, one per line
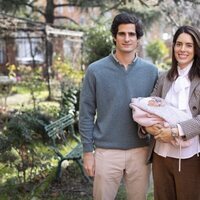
point(111, 145)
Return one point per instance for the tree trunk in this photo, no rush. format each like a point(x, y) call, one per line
point(49, 18)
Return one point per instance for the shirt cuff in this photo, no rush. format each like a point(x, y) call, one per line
point(180, 131)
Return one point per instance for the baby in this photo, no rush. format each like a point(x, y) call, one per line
point(155, 101)
point(148, 111)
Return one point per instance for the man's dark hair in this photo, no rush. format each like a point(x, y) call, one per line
point(126, 18)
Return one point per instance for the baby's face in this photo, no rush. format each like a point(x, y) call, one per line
point(154, 103)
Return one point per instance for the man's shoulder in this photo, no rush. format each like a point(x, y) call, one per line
point(100, 62)
point(145, 63)
point(100, 66)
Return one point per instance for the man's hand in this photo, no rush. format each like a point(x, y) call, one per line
point(154, 130)
point(89, 163)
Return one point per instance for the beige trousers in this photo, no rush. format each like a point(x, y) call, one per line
point(112, 165)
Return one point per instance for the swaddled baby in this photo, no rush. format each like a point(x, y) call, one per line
point(148, 111)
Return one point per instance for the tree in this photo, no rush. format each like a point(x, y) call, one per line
point(167, 7)
point(12, 6)
point(148, 11)
point(179, 12)
point(157, 50)
point(98, 43)
point(34, 10)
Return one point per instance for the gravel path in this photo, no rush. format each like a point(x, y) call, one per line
point(18, 99)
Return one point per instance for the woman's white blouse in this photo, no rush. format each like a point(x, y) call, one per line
point(178, 96)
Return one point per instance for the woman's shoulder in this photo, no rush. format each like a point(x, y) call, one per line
point(162, 73)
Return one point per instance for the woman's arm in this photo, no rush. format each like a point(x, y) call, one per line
point(191, 127)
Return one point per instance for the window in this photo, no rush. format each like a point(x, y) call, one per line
point(26, 52)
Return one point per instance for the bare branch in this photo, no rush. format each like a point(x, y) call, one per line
point(65, 17)
point(94, 4)
point(195, 2)
point(144, 3)
point(111, 8)
point(34, 9)
point(170, 18)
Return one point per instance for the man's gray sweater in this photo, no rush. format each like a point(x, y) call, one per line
point(105, 119)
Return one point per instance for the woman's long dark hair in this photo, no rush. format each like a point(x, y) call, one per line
point(195, 69)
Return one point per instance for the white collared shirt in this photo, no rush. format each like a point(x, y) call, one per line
point(113, 54)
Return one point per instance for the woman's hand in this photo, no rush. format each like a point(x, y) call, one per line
point(160, 133)
point(154, 130)
point(165, 135)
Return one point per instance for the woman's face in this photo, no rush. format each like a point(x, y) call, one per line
point(184, 50)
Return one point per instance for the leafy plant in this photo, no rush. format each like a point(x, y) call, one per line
point(4, 143)
point(63, 70)
point(157, 50)
point(21, 133)
point(98, 43)
point(69, 103)
point(33, 81)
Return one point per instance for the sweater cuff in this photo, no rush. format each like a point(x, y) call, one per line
point(142, 132)
point(88, 148)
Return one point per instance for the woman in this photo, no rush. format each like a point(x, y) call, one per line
point(176, 170)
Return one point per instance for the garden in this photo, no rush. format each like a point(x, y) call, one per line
point(29, 102)
point(28, 163)
point(34, 94)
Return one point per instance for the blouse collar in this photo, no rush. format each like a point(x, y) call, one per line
point(185, 70)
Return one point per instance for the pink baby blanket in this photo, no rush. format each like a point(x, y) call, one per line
point(148, 111)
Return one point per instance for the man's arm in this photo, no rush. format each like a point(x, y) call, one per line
point(86, 120)
point(87, 111)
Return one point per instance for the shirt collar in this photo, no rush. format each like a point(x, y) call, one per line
point(185, 70)
point(113, 55)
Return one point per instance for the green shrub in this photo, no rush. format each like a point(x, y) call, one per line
point(64, 70)
point(157, 50)
point(98, 43)
point(21, 134)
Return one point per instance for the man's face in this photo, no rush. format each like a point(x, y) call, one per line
point(126, 38)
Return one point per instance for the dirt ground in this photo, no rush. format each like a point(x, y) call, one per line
point(72, 186)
